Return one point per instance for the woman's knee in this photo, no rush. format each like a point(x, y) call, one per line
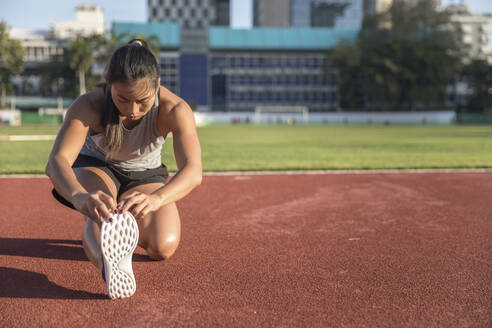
point(164, 248)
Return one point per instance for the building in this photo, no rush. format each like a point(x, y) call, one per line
point(42, 45)
point(372, 7)
point(39, 49)
point(273, 67)
point(38, 45)
point(190, 14)
point(336, 13)
point(476, 32)
point(437, 3)
point(271, 13)
point(346, 14)
point(241, 69)
point(89, 20)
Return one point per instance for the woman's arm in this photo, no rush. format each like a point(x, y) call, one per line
point(181, 122)
point(66, 148)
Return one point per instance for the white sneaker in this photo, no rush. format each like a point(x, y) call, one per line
point(118, 242)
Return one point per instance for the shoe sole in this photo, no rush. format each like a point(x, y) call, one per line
point(118, 242)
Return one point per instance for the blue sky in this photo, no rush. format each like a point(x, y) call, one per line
point(39, 14)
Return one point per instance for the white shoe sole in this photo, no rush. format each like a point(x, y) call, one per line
point(118, 242)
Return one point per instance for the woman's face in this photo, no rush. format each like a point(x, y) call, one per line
point(133, 101)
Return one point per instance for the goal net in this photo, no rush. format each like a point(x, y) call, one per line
point(281, 114)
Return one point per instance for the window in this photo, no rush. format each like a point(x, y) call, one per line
point(154, 12)
point(180, 12)
point(161, 3)
point(192, 12)
point(167, 12)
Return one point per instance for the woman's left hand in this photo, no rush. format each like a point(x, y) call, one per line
point(139, 204)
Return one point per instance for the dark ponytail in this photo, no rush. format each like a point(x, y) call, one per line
point(128, 64)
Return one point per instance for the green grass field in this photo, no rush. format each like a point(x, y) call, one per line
point(299, 147)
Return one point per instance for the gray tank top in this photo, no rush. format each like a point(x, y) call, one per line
point(141, 147)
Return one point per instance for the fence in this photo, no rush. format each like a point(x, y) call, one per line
point(437, 117)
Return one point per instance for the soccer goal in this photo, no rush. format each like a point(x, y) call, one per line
point(281, 114)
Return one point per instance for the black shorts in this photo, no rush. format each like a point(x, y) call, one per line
point(124, 180)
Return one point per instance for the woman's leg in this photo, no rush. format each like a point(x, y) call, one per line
point(160, 231)
point(94, 179)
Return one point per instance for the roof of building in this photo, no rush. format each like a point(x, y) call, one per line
point(168, 33)
point(266, 38)
point(278, 38)
point(28, 34)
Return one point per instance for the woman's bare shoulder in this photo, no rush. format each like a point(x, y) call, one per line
point(168, 100)
point(172, 109)
point(88, 108)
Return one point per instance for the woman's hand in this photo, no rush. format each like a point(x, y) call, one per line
point(139, 204)
point(96, 205)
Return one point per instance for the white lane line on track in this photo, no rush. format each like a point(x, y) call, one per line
point(43, 137)
point(253, 173)
point(27, 137)
point(315, 172)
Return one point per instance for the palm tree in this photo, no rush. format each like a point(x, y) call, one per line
point(11, 60)
point(80, 58)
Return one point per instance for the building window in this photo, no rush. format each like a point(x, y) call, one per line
point(180, 12)
point(167, 12)
point(186, 2)
point(161, 3)
point(154, 12)
point(192, 12)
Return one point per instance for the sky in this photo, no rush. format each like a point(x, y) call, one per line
point(39, 14)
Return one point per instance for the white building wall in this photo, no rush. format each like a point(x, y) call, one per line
point(89, 20)
point(477, 30)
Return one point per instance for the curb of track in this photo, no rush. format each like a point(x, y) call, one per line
point(302, 172)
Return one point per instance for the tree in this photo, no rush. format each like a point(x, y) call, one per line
point(80, 58)
point(57, 78)
point(402, 59)
point(11, 61)
point(478, 75)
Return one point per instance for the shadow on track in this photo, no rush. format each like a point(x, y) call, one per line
point(15, 283)
point(49, 249)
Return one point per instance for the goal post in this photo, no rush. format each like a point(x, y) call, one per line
point(283, 111)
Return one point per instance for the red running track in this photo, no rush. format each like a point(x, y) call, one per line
point(341, 250)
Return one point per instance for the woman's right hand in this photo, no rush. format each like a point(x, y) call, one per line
point(96, 205)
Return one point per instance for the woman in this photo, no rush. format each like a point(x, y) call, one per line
point(106, 163)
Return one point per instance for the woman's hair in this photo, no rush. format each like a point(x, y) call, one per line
point(128, 64)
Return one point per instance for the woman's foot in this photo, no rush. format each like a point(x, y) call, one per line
point(118, 242)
